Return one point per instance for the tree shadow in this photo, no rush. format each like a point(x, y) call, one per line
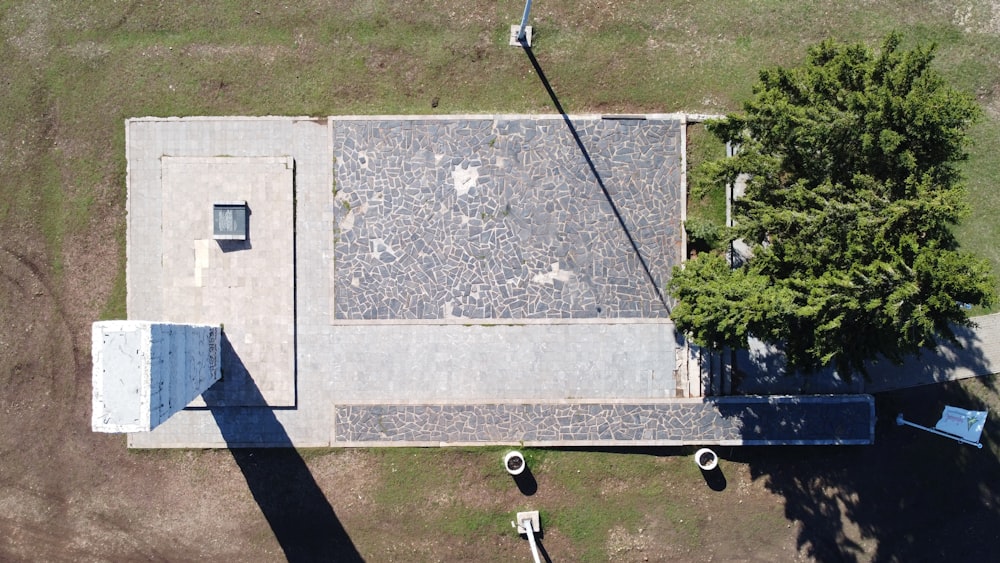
point(300, 516)
point(964, 355)
point(794, 419)
point(597, 176)
point(912, 497)
point(763, 369)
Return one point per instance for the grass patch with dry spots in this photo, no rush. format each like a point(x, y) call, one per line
point(74, 71)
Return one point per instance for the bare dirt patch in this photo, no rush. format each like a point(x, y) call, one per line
point(26, 28)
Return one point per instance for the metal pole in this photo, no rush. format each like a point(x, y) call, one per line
point(900, 421)
point(530, 531)
point(524, 21)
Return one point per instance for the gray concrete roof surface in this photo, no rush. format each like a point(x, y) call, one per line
point(432, 280)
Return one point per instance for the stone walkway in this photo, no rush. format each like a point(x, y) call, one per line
point(448, 363)
point(730, 421)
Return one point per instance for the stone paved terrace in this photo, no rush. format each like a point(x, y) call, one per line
point(468, 266)
point(502, 218)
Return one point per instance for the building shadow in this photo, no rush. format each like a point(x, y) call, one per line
point(301, 518)
point(236, 386)
point(658, 291)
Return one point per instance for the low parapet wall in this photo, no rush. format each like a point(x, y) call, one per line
point(727, 421)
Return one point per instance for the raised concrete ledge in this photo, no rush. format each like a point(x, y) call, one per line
point(554, 444)
point(220, 143)
point(699, 117)
point(809, 420)
point(505, 116)
point(286, 161)
point(213, 445)
point(225, 118)
point(468, 321)
point(248, 286)
point(424, 117)
point(734, 421)
point(531, 402)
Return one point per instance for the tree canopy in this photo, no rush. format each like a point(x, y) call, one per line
point(852, 189)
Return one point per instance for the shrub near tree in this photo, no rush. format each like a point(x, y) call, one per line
point(853, 189)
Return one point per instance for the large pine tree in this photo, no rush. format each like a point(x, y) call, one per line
point(852, 190)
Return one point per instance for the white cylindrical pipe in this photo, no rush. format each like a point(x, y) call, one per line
point(520, 462)
point(526, 524)
point(524, 20)
point(711, 459)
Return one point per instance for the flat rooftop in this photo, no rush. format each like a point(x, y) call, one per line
point(398, 267)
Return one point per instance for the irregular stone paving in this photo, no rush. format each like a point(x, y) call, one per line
point(844, 419)
point(502, 218)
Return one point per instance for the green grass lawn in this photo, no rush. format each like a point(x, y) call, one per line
point(706, 201)
point(580, 495)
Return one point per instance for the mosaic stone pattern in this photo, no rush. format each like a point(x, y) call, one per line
point(844, 419)
point(503, 218)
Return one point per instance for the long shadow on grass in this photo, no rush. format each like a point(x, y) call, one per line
point(597, 175)
point(303, 522)
point(541, 549)
point(911, 497)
